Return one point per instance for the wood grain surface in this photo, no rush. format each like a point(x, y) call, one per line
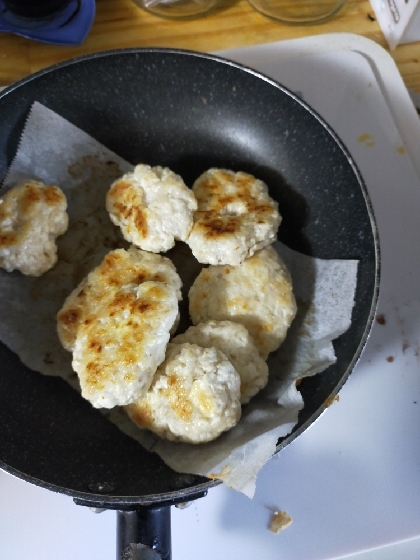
point(121, 23)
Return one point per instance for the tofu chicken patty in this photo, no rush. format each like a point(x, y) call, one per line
point(119, 268)
point(122, 341)
point(257, 293)
point(237, 345)
point(152, 206)
point(117, 323)
point(32, 216)
point(194, 396)
point(235, 217)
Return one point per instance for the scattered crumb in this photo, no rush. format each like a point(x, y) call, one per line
point(390, 359)
point(366, 139)
point(279, 521)
point(381, 319)
point(371, 17)
point(331, 400)
point(405, 346)
point(48, 358)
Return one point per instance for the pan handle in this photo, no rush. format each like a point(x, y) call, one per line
point(144, 533)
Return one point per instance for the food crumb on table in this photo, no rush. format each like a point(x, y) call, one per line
point(280, 520)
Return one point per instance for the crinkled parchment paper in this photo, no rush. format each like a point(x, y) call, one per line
point(55, 151)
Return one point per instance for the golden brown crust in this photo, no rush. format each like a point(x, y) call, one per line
point(235, 217)
point(7, 239)
point(32, 215)
point(127, 205)
point(213, 226)
point(152, 206)
point(118, 268)
point(121, 341)
point(141, 311)
point(28, 197)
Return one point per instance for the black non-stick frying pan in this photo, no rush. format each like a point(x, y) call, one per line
point(187, 111)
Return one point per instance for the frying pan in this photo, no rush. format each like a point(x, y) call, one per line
point(188, 111)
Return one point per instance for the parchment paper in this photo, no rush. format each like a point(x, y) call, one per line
point(55, 151)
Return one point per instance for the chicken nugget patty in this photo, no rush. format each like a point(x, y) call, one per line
point(194, 396)
point(118, 268)
point(237, 345)
point(235, 217)
point(32, 215)
point(122, 341)
point(257, 293)
point(152, 206)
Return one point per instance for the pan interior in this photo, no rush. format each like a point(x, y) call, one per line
point(189, 112)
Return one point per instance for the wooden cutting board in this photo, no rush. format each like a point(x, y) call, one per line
point(121, 23)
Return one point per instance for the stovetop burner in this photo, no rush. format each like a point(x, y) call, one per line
point(68, 26)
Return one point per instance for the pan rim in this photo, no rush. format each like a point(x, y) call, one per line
point(105, 501)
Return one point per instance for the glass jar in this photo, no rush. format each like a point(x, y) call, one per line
point(298, 11)
point(177, 9)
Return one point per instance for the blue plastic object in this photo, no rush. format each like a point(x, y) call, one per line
point(70, 26)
